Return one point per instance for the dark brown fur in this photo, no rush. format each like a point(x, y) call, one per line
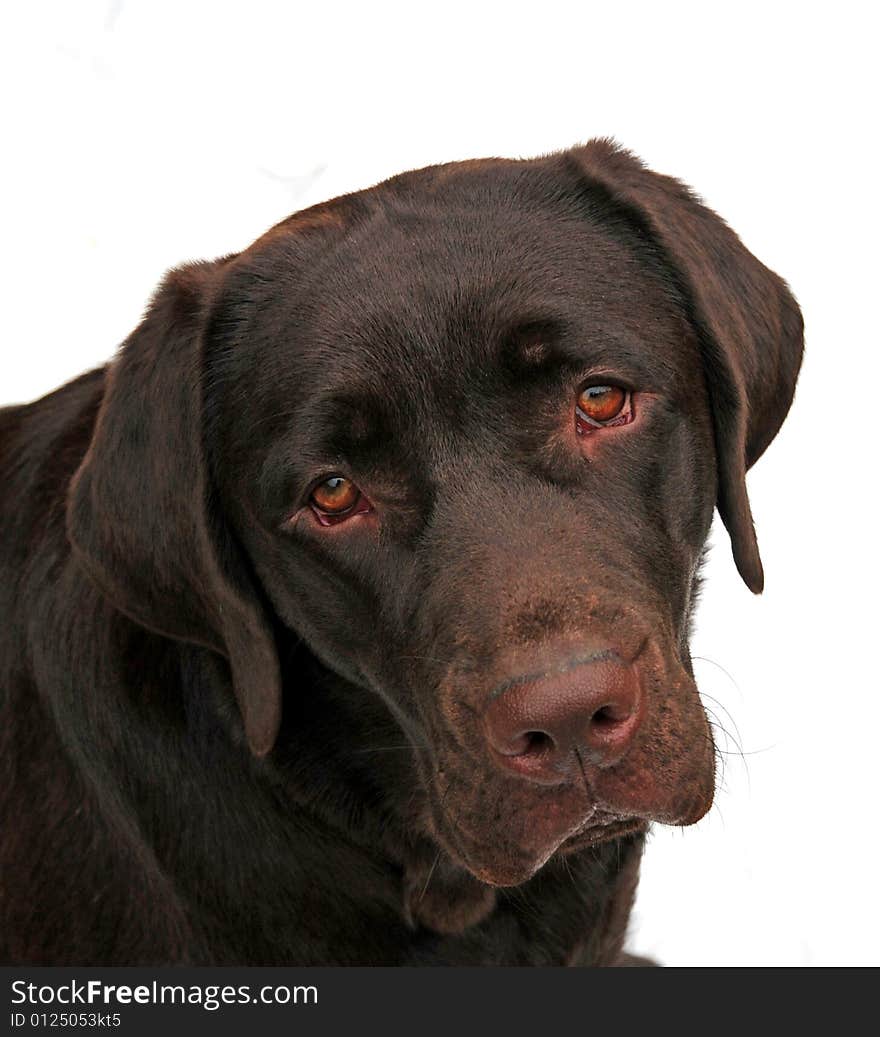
point(228, 737)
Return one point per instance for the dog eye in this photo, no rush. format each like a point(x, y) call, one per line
point(599, 405)
point(335, 496)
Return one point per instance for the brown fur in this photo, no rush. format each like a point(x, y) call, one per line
point(232, 733)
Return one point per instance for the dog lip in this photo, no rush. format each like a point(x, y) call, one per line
point(602, 830)
point(597, 825)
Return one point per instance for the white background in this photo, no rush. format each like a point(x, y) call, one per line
point(138, 134)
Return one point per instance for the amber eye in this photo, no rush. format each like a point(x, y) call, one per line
point(601, 403)
point(335, 495)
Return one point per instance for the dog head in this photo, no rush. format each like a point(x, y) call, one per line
point(463, 433)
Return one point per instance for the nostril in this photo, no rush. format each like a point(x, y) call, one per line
point(529, 743)
point(608, 716)
point(595, 707)
point(537, 743)
point(612, 725)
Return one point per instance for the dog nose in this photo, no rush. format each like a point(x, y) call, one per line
point(547, 727)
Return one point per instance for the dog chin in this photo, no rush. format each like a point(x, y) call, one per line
point(501, 863)
point(506, 870)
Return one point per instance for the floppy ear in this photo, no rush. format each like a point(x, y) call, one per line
point(140, 514)
point(748, 322)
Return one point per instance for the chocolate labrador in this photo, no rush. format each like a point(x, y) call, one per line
point(345, 613)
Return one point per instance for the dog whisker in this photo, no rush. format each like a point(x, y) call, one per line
point(726, 711)
point(428, 879)
point(711, 662)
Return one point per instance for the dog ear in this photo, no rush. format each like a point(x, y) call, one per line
point(749, 324)
point(140, 515)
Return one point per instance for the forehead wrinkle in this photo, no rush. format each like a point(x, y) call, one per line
point(409, 330)
point(350, 415)
point(382, 359)
point(614, 347)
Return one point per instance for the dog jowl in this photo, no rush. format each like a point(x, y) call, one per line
point(428, 472)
